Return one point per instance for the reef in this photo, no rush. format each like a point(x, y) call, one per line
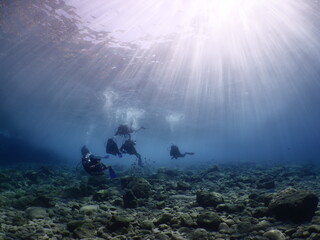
point(227, 201)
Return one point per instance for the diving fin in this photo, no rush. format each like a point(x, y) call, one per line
point(112, 173)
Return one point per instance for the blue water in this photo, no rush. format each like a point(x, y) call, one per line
point(246, 89)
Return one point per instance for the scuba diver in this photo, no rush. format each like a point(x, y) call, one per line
point(175, 152)
point(92, 164)
point(128, 147)
point(112, 148)
point(125, 131)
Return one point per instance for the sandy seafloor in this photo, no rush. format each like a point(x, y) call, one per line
point(223, 201)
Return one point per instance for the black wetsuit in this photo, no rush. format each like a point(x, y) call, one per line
point(124, 130)
point(175, 152)
point(92, 165)
point(128, 147)
point(112, 147)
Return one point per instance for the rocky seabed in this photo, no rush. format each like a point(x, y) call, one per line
point(222, 202)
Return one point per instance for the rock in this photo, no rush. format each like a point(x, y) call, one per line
point(209, 220)
point(84, 231)
point(292, 204)
point(186, 220)
point(274, 235)
point(209, 199)
point(146, 224)
point(265, 183)
point(102, 195)
point(263, 225)
point(18, 220)
point(162, 236)
point(163, 227)
point(89, 209)
point(230, 208)
point(43, 201)
point(164, 219)
point(98, 181)
point(129, 200)
point(223, 227)
point(118, 222)
point(36, 212)
point(314, 228)
point(260, 212)
point(200, 233)
point(140, 187)
point(72, 225)
point(244, 227)
point(76, 192)
point(183, 186)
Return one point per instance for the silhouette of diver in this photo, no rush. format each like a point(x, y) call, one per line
point(175, 152)
point(112, 148)
point(128, 147)
point(92, 164)
point(125, 131)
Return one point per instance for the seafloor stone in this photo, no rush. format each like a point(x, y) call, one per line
point(209, 199)
point(72, 225)
point(265, 183)
point(187, 220)
point(146, 224)
point(244, 227)
point(89, 209)
point(230, 208)
point(36, 212)
point(102, 195)
point(209, 220)
point(260, 212)
point(183, 186)
point(84, 231)
point(292, 204)
point(164, 218)
point(118, 222)
point(129, 200)
point(200, 233)
point(274, 234)
point(97, 181)
point(140, 187)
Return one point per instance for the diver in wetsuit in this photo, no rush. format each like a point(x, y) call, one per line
point(112, 148)
point(175, 152)
point(128, 147)
point(125, 131)
point(92, 164)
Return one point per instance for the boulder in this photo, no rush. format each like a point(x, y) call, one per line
point(36, 212)
point(140, 187)
point(102, 195)
point(209, 199)
point(117, 222)
point(292, 204)
point(274, 234)
point(200, 233)
point(183, 186)
point(209, 220)
point(89, 209)
point(164, 219)
point(129, 200)
point(230, 208)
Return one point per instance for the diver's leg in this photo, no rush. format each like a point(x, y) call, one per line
point(139, 159)
point(189, 153)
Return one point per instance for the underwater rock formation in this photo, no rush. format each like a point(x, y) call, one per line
point(207, 199)
point(295, 205)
